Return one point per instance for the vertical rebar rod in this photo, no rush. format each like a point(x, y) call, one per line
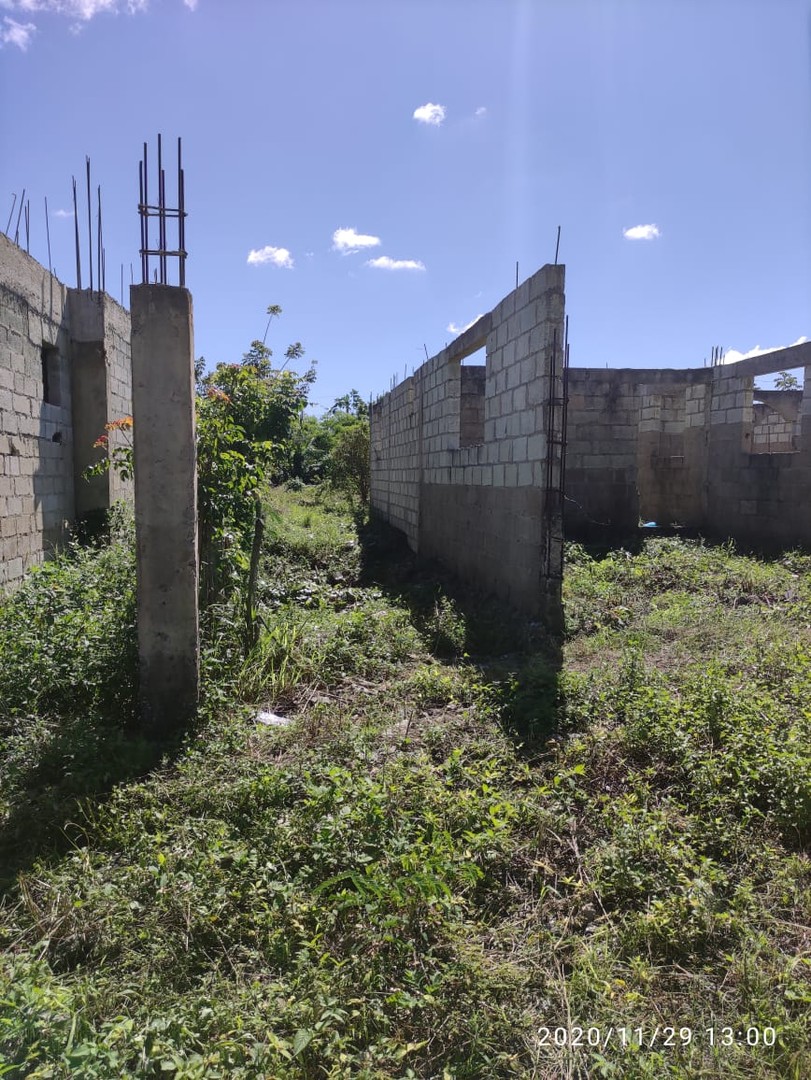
point(28, 227)
point(98, 240)
point(163, 227)
point(181, 276)
point(161, 223)
point(183, 229)
point(557, 247)
point(89, 224)
point(145, 275)
point(142, 218)
point(48, 235)
point(76, 235)
point(122, 284)
point(19, 215)
point(182, 226)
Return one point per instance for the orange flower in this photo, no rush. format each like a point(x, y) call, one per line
point(119, 425)
point(219, 395)
point(101, 441)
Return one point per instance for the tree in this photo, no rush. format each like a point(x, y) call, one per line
point(351, 403)
point(246, 417)
point(786, 381)
point(347, 465)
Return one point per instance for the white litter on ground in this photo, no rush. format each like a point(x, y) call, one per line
point(270, 719)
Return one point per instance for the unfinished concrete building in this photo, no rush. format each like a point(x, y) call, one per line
point(466, 459)
point(64, 374)
point(703, 448)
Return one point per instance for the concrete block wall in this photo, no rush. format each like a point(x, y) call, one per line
point(602, 450)
point(102, 375)
point(40, 397)
point(776, 421)
point(395, 467)
point(479, 507)
point(772, 433)
point(690, 447)
point(36, 436)
point(471, 404)
point(671, 458)
point(760, 499)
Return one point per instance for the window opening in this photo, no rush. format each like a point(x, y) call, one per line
point(472, 375)
point(776, 407)
point(51, 389)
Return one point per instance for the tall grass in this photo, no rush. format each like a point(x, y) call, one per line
point(394, 886)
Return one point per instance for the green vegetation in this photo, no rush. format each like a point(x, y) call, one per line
point(453, 845)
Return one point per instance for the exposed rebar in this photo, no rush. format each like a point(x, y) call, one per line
point(162, 212)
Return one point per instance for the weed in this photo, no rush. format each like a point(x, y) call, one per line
point(438, 858)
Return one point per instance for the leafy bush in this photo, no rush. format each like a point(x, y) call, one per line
point(67, 634)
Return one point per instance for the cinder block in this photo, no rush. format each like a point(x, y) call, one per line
point(526, 422)
point(524, 473)
point(519, 448)
point(536, 447)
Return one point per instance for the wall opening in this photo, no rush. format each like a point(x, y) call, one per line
point(51, 383)
point(776, 412)
point(472, 375)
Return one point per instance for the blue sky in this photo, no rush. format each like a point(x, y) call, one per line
point(447, 140)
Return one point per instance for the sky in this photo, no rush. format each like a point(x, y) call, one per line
point(378, 167)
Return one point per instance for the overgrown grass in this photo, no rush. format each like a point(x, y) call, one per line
point(67, 692)
point(393, 885)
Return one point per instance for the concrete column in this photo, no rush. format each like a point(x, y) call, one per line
point(90, 410)
point(165, 504)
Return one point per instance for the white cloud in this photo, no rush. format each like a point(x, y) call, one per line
point(642, 232)
point(481, 111)
point(430, 114)
point(348, 241)
point(732, 356)
point(15, 33)
point(452, 328)
point(276, 255)
point(81, 9)
point(385, 263)
point(191, 4)
point(63, 213)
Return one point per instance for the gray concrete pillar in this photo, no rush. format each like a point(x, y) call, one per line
point(89, 404)
point(165, 504)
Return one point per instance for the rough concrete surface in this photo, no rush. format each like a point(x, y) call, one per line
point(165, 504)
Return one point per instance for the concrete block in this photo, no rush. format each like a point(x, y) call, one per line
point(526, 422)
point(519, 448)
point(524, 473)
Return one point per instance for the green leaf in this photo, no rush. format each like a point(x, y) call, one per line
point(302, 1040)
